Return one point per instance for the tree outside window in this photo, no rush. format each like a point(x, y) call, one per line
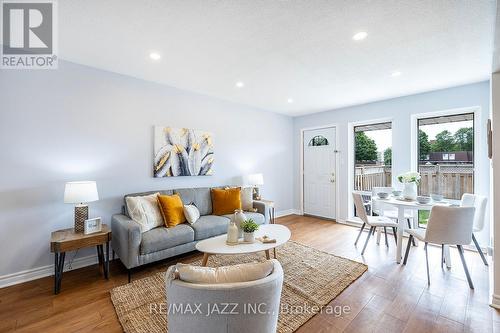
point(366, 148)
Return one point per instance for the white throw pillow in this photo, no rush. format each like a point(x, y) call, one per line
point(225, 274)
point(191, 213)
point(247, 199)
point(145, 211)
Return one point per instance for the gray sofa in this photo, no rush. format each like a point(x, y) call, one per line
point(135, 248)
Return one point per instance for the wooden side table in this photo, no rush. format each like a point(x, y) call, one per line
point(270, 203)
point(65, 240)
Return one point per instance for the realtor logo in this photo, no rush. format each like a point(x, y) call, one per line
point(28, 35)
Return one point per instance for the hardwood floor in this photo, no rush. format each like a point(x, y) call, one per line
point(387, 298)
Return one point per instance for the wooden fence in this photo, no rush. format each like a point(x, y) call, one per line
point(449, 180)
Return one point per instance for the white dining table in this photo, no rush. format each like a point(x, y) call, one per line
point(402, 206)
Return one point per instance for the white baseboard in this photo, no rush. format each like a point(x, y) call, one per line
point(40, 272)
point(287, 212)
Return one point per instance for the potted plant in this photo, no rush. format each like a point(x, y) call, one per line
point(249, 227)
point(410, 181)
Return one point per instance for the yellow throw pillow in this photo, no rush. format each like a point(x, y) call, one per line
point(225, 201)
point(172, 209)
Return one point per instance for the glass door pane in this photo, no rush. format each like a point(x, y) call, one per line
point(446, 157)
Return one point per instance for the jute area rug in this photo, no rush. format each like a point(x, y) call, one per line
point(312, 279)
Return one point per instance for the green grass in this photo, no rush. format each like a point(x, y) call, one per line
point(423, 217)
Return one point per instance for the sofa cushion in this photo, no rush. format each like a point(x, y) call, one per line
point(145, 211)
point(192, 213)
point(225, 274)
point(172, 209)
point(247, 199)
point(200, 197)
point(226, 201)
point(162, 238)
point(209, 226)
point(257, 217)
point(141, 194)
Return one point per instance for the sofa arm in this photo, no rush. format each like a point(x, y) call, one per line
point(126, 239)
point(262, 208)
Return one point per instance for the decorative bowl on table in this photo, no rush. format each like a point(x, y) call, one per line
point(437, 197)
point(397, 193)
point(383, 195)
point(423, 200)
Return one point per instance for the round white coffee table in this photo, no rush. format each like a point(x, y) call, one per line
point(217, 245)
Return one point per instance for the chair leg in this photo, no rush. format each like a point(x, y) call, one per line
point(395, 235)
point(129, 275)
point(360, 232)
point(479, 250)
point(427, 264)
point(385, 234)
point(407, 249)
point(442, 255)
point(410, 227)
point(461, 252)
point(367, 239)
point(374, 229)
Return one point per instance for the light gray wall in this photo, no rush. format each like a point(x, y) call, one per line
point(400, 110)
point(80, 123)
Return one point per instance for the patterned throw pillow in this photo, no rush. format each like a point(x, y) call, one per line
point(247, 199)
point(145, 211)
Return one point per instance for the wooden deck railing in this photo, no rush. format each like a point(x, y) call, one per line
point(367, 177)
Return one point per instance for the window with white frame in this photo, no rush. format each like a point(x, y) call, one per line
point(445, 155)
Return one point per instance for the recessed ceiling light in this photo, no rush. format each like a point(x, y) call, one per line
point(360, 35)
point(395, 74)
point(155, 55)
point(290, 101)
point(240, 84)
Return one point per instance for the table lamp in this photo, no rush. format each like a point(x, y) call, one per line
point(256, 180)
point(79, 193)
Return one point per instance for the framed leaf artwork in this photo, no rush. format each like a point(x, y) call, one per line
point(182, 152)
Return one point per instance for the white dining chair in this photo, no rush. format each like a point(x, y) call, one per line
point(391, 213)
point(479, 202)
point(446, 226)
point(372, 221)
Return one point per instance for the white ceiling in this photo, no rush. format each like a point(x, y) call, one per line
point(285, 49)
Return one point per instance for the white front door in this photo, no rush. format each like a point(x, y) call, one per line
point(319, 172)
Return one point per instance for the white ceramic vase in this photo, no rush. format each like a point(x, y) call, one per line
point(238, 219)
point(410, 191)
point(249, 237)
point(232, 233)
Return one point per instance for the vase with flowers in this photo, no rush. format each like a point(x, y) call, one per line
point(410, 180)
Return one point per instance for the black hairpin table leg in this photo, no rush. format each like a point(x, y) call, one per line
point(58, 270)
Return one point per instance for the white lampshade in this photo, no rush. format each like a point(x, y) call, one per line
point(256, 179)
point(80, 192)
